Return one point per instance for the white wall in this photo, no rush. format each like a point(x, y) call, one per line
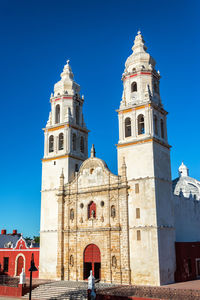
point(187, 219)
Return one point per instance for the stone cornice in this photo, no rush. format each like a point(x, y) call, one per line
point(65, 125)
point(92, 229)
point(139, 106)
point(142, 141)
point(97, 189)
point(149, 227)
point(62, 156)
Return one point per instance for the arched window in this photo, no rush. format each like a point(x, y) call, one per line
point(92, 210)
point(113, 211)
point(140, 124)
point(74, 141)
point(57, 118)
point(51, 143)
point(134, 87)
point(82, 144)
point(162, 129)
point(61, 141)
point(77, 115)
point(127, 127)
point(155, 124)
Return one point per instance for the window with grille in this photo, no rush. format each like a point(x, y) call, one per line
point(61, 141)
point(141, 124)
point(5, 264)
point(127, 127)
point(57, 117)
point(51, 143)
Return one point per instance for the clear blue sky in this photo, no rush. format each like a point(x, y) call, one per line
point(37, 37)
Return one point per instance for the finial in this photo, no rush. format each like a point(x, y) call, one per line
point(68, 61)
point(93, 152)
point(139, 32)
point(124, 163)
point(62, 174)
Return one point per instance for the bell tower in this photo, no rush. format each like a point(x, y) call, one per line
point(144, 146)
point(65, 148)
point(66, 135)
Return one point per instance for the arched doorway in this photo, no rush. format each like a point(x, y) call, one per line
point(20, 265)
point(92, 261)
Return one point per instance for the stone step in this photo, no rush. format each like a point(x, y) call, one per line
point(60, 290)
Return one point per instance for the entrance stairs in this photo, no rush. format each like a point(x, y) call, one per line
point(64, 290)
point(60, 290)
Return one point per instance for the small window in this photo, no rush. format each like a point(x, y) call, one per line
point(77, 115)
point(74, 141)
point(137, 213)
point(155, 124)
point(92, 210)
point(61, 141)
point(76, 167)
point(113, 211)
point(162, 128)
point(138, 235)
point(82, 144)
point(57, 118)
point(5, 264)
point(134, 87)
point(127, 127)
point(51, 143)
point(54, 162)
point(140, 124)
point(137, 188)
point(71, 214)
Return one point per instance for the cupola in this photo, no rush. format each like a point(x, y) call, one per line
point(67, 85)
point(183, 170)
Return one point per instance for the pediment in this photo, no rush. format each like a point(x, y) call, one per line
point(93, 172)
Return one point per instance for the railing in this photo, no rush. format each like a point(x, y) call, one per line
point(9, 281)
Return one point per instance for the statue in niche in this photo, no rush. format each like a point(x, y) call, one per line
point(71, 261)
point(113, 211)
point(114, 261)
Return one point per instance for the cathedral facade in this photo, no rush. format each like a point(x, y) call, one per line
point(120, 226)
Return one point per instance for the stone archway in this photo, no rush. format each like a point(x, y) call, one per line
point(92, 261)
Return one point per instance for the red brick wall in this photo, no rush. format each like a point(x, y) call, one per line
point(11, 291)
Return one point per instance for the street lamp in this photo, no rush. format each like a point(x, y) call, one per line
point(32, 269)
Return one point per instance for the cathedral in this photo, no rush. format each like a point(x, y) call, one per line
point(122, 227)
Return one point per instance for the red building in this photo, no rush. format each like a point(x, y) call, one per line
point(15, 254)
point(187, 261)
